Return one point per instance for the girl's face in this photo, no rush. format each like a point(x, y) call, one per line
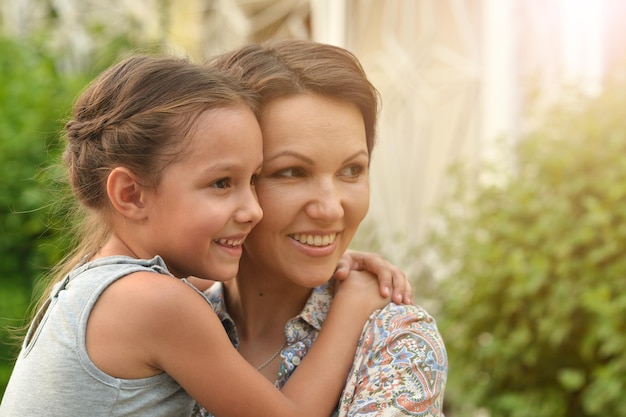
point(313, 188)
point(205, 205)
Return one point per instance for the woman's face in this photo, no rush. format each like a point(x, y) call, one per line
point(313, 188)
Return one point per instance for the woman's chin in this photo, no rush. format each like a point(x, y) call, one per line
point(314, 277)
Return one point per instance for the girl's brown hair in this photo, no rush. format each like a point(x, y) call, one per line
point(280, 68)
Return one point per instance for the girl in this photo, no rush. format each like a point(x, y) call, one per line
point(162, 155)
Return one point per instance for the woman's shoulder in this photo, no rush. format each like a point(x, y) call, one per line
point(401, 345)
point(404, 313)
point(403, 321)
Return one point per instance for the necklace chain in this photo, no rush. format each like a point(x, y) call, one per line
point(271, 358)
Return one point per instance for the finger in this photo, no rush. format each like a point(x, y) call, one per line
point(408, 294)
point(399, 287)
point(378, 266)
point(384, 283)
point(375, 264)
point(343, 268)
point(353, 260)
point(368, 261)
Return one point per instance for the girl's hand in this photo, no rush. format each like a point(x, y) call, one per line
point(360, 291)
point(389, 276)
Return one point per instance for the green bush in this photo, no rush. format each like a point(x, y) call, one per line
point(34, 99)
point(534, 287)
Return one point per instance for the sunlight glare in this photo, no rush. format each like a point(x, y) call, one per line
point(582, 39)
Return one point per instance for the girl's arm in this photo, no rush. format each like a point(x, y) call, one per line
point(324, 369)
point(390, 277)
point(169, 327)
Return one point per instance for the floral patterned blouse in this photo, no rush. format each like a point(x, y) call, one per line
point(400, 367)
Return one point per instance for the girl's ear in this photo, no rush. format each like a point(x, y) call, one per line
point(126, 194)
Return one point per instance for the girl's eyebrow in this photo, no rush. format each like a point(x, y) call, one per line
point(218, 166)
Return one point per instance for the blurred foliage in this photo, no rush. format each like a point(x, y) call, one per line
point(533, 271)
point(35, 99)
point(32, 96)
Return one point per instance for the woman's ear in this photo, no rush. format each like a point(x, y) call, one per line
point(126, 194)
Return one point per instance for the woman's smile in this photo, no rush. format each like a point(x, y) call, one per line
point(314, 239)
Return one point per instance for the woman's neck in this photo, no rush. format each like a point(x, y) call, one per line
point(261, 304)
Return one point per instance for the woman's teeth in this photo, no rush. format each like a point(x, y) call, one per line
point(315, 240)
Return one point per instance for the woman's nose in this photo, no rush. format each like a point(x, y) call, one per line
point(326, 203)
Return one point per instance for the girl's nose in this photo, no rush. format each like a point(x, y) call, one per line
point(250, 211)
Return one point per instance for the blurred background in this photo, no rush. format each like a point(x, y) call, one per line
point(498, 180)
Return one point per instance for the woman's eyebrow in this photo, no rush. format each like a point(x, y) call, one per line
point(354, 155)
point(290, 153)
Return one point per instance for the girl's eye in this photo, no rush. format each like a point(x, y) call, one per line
point(221, 183)
point(352, 171)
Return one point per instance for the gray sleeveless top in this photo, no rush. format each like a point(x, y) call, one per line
point(54, 376)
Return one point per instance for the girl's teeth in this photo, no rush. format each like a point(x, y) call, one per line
point(230, 242)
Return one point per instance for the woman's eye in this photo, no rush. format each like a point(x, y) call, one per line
point(221, 183)
point(289, 173)
point(352, 171)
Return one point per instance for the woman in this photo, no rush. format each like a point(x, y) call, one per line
point(318, 116)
